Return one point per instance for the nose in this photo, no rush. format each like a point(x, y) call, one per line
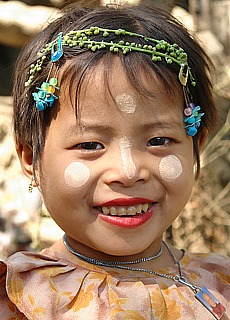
point(127, 167)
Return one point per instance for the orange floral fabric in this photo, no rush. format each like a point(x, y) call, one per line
point(59, 286)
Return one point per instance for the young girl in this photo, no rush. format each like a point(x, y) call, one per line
point(111, 109)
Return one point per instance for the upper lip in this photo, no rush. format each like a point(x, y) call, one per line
point(125, 202)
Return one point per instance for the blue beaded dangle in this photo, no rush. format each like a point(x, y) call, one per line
point(45, 96)
point(192, 116)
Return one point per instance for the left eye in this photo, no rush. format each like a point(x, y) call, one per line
point(89, 146)
point(159, 141)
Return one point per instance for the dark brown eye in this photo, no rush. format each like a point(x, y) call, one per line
point(90, 145)
point(159, 141)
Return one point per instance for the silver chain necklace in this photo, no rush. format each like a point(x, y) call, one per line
point(178, 278)
point(108, 263)
point(122, 264)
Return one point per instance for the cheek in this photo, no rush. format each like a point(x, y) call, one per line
point(76, 175)
point(170, 168)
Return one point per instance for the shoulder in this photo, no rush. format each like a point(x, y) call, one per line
point(25, 276)
point(208, 268)
point(19, 275)
point(207, 260)
point(8, 309)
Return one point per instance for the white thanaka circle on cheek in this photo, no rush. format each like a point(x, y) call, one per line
point(126, 156)
point(76, 174)
point(126, 103)
point(170, 168)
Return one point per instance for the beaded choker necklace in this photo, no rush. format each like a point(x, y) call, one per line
point(201, 293)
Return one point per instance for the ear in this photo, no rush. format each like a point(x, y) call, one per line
point(25, 155)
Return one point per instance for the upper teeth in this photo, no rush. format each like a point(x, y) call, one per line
point(126, 211)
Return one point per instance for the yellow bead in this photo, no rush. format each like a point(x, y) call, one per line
point(51, 89)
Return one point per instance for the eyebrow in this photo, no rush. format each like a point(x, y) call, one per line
point(83, 127)
point(101, 128)
point(164, 125)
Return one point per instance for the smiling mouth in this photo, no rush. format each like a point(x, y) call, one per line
point(125, 210)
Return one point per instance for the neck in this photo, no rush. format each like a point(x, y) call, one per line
point(147, 258)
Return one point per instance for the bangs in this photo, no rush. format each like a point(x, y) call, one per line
point(79, 69)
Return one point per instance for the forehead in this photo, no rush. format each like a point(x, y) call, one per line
point(113, 85)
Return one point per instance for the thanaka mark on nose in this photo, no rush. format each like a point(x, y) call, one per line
point(126, 156)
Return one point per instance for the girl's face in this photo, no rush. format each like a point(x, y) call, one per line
point(117, 181)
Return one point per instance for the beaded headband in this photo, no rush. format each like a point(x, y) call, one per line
point(158, 49)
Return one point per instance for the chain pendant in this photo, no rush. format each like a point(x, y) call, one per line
point(211, 303)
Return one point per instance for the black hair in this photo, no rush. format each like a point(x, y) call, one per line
point(30, 124)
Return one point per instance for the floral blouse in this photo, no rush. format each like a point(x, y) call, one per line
point(58, 286)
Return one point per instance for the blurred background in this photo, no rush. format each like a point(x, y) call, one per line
point(204, 225)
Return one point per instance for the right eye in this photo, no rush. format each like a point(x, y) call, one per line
point(158, 141)
point(91, 145)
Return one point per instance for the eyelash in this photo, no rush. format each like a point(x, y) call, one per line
point(93, 145)
point(89, 145)
point(159, 141)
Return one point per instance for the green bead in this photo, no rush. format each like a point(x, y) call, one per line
point(126, 50)
point(44, 86)
point(154, 58)
point(53, 81)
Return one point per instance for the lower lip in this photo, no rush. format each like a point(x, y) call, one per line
point(128, 222)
